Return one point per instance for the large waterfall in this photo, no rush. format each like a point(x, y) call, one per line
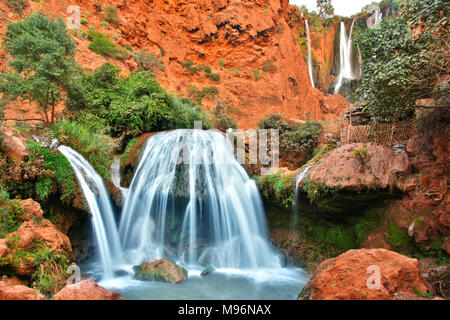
point(310, 63)
point(345, 57)
point(191, 201)
point(97, 199)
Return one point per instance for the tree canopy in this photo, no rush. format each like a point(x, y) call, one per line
point(325, 7)
point(42, 54)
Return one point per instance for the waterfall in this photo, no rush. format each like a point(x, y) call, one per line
point(299, 178)
point(116, 178)
point(191, 201)
point(310, 63)
point(99, 205)
point(345, 57)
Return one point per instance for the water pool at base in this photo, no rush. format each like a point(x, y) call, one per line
point(222, 284)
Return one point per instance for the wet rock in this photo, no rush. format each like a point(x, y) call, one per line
point(13, 290)
point(354, 276)
point(208, 271)
point(3, 248)
point(86, 290)
point(160, 270)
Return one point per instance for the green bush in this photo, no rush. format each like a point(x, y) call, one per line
point(97, 148)
point(10, 214)
point(111, 14)
point(84, 21)
point(101, 44)
point(274, 121)
point(57, 169)
point(105, 24)
point(130, 106)
point(17, 5)
point(213, 76)
point(221, 120)
point(147, 60)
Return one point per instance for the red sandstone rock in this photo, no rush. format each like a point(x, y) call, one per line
point(3, 248)
point(245, 34)
point(32, 209)
point(341, 169)
point(346, 277)
point(10, 290)
point(14, 147)
point(86, 290)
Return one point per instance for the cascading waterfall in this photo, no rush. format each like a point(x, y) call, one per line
point(310, 63)
point(97, 198)
point(191, 201)
point(345, 57)
point(299, 178)
point(115, 176)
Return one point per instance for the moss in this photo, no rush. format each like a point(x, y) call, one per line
point(10, 216)
point(279, 189)
point(128, 149)
point(397, 237)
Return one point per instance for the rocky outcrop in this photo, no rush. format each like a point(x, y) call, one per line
point(26, 239)
point(160, 270)
point(354, 276)
point(86, 290)
point(13, 290)
point(13, 146)
point(31, 208)
point(374, 166)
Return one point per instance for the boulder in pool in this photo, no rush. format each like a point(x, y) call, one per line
point(160, 270)
point(208, 271)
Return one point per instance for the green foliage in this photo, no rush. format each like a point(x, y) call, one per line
point(129, 106)
point(198, 95)
point(279, 189)
point(17, 5)
point(301, 137)
point(10, 214)
point(42, 62)
point(105, 24)
point(362, 156)
point(111, 14)
point(420, 294)
point(58, 170)
point(398, 237)
point(221, 62)
point(97, 148)
point(213, 76)
point(325, 8)
point(221, 119)
point(257, 74)
point(102, 44)
point(275, 121)
point(84, 21)
point(147, 60)
point(401, 66)
point(128, 149)
point(191, 67)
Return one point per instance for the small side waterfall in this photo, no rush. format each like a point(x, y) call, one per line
point(190, 200)
point(310, 63)
point(99, 204)
point(345, 57)
point(299, 178)
point(116, 178)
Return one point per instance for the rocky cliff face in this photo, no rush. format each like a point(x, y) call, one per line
point(249, 44)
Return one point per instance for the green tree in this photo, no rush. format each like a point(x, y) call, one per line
point(404, 59)
point(325, 7)
point(42, 54)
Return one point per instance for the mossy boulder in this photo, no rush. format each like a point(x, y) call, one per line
point(160, 270)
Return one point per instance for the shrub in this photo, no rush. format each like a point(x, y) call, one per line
point(105, 24)
point(17, 5)
point(84, 21)
point(274, 121)
point(191, 67)
point(221, 120)
point(257, 74)
point(362, 156)
point(301, 138)
point(268, 66)
point(111, 14)
point(222, 62)
point(101, 44)
point(97, 148)
point(213, 76)
point(147, 60)
point(130, 106)
point(10, 214)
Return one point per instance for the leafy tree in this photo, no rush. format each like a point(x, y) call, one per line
point(42, 54)
point(325, 7)
point(17, 5)
point(404, 59)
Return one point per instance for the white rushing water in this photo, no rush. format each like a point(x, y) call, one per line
point(345, 56)
point(298, 179)
point(310, 63)
point(98, 201)
point(190, 200)
point(116, 178)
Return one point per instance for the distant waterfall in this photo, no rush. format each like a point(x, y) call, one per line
point(310, 63)
point(345, 57)
point(115, 176)
point(99, 205)
point(190, 200)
